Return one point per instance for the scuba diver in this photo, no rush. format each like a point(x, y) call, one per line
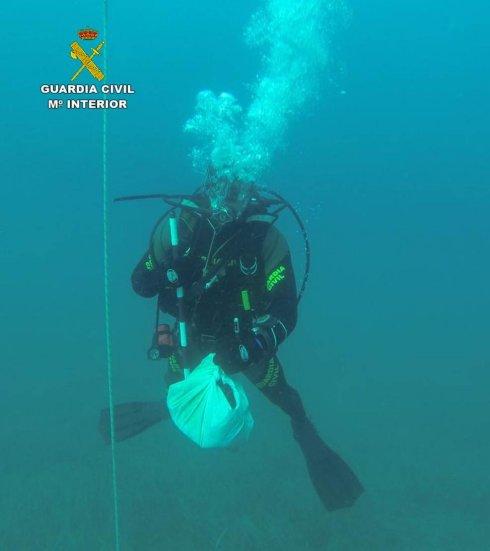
point(240, 303)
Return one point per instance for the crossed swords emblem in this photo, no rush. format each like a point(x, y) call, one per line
point(77, 52)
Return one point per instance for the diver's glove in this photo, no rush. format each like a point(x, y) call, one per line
point(254, 346)
point(236, 356)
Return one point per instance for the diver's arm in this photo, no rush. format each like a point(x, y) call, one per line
point(279, 311)
point(281, 287)
point(272, 324)
point(147, 277)
point(282, 302)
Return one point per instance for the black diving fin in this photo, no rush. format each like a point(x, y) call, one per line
point(334, 481)
point(131, 419)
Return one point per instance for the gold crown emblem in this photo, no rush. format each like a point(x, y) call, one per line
point(88, 34)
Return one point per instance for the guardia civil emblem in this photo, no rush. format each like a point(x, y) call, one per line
point(86, 60)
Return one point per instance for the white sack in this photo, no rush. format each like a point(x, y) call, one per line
point(200, 409)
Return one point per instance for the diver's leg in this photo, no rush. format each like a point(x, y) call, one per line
point(334, 481)
point(270, 379)
point(175, 372)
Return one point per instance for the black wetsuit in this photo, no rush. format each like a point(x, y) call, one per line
point(238, 282)
point(247, 271)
